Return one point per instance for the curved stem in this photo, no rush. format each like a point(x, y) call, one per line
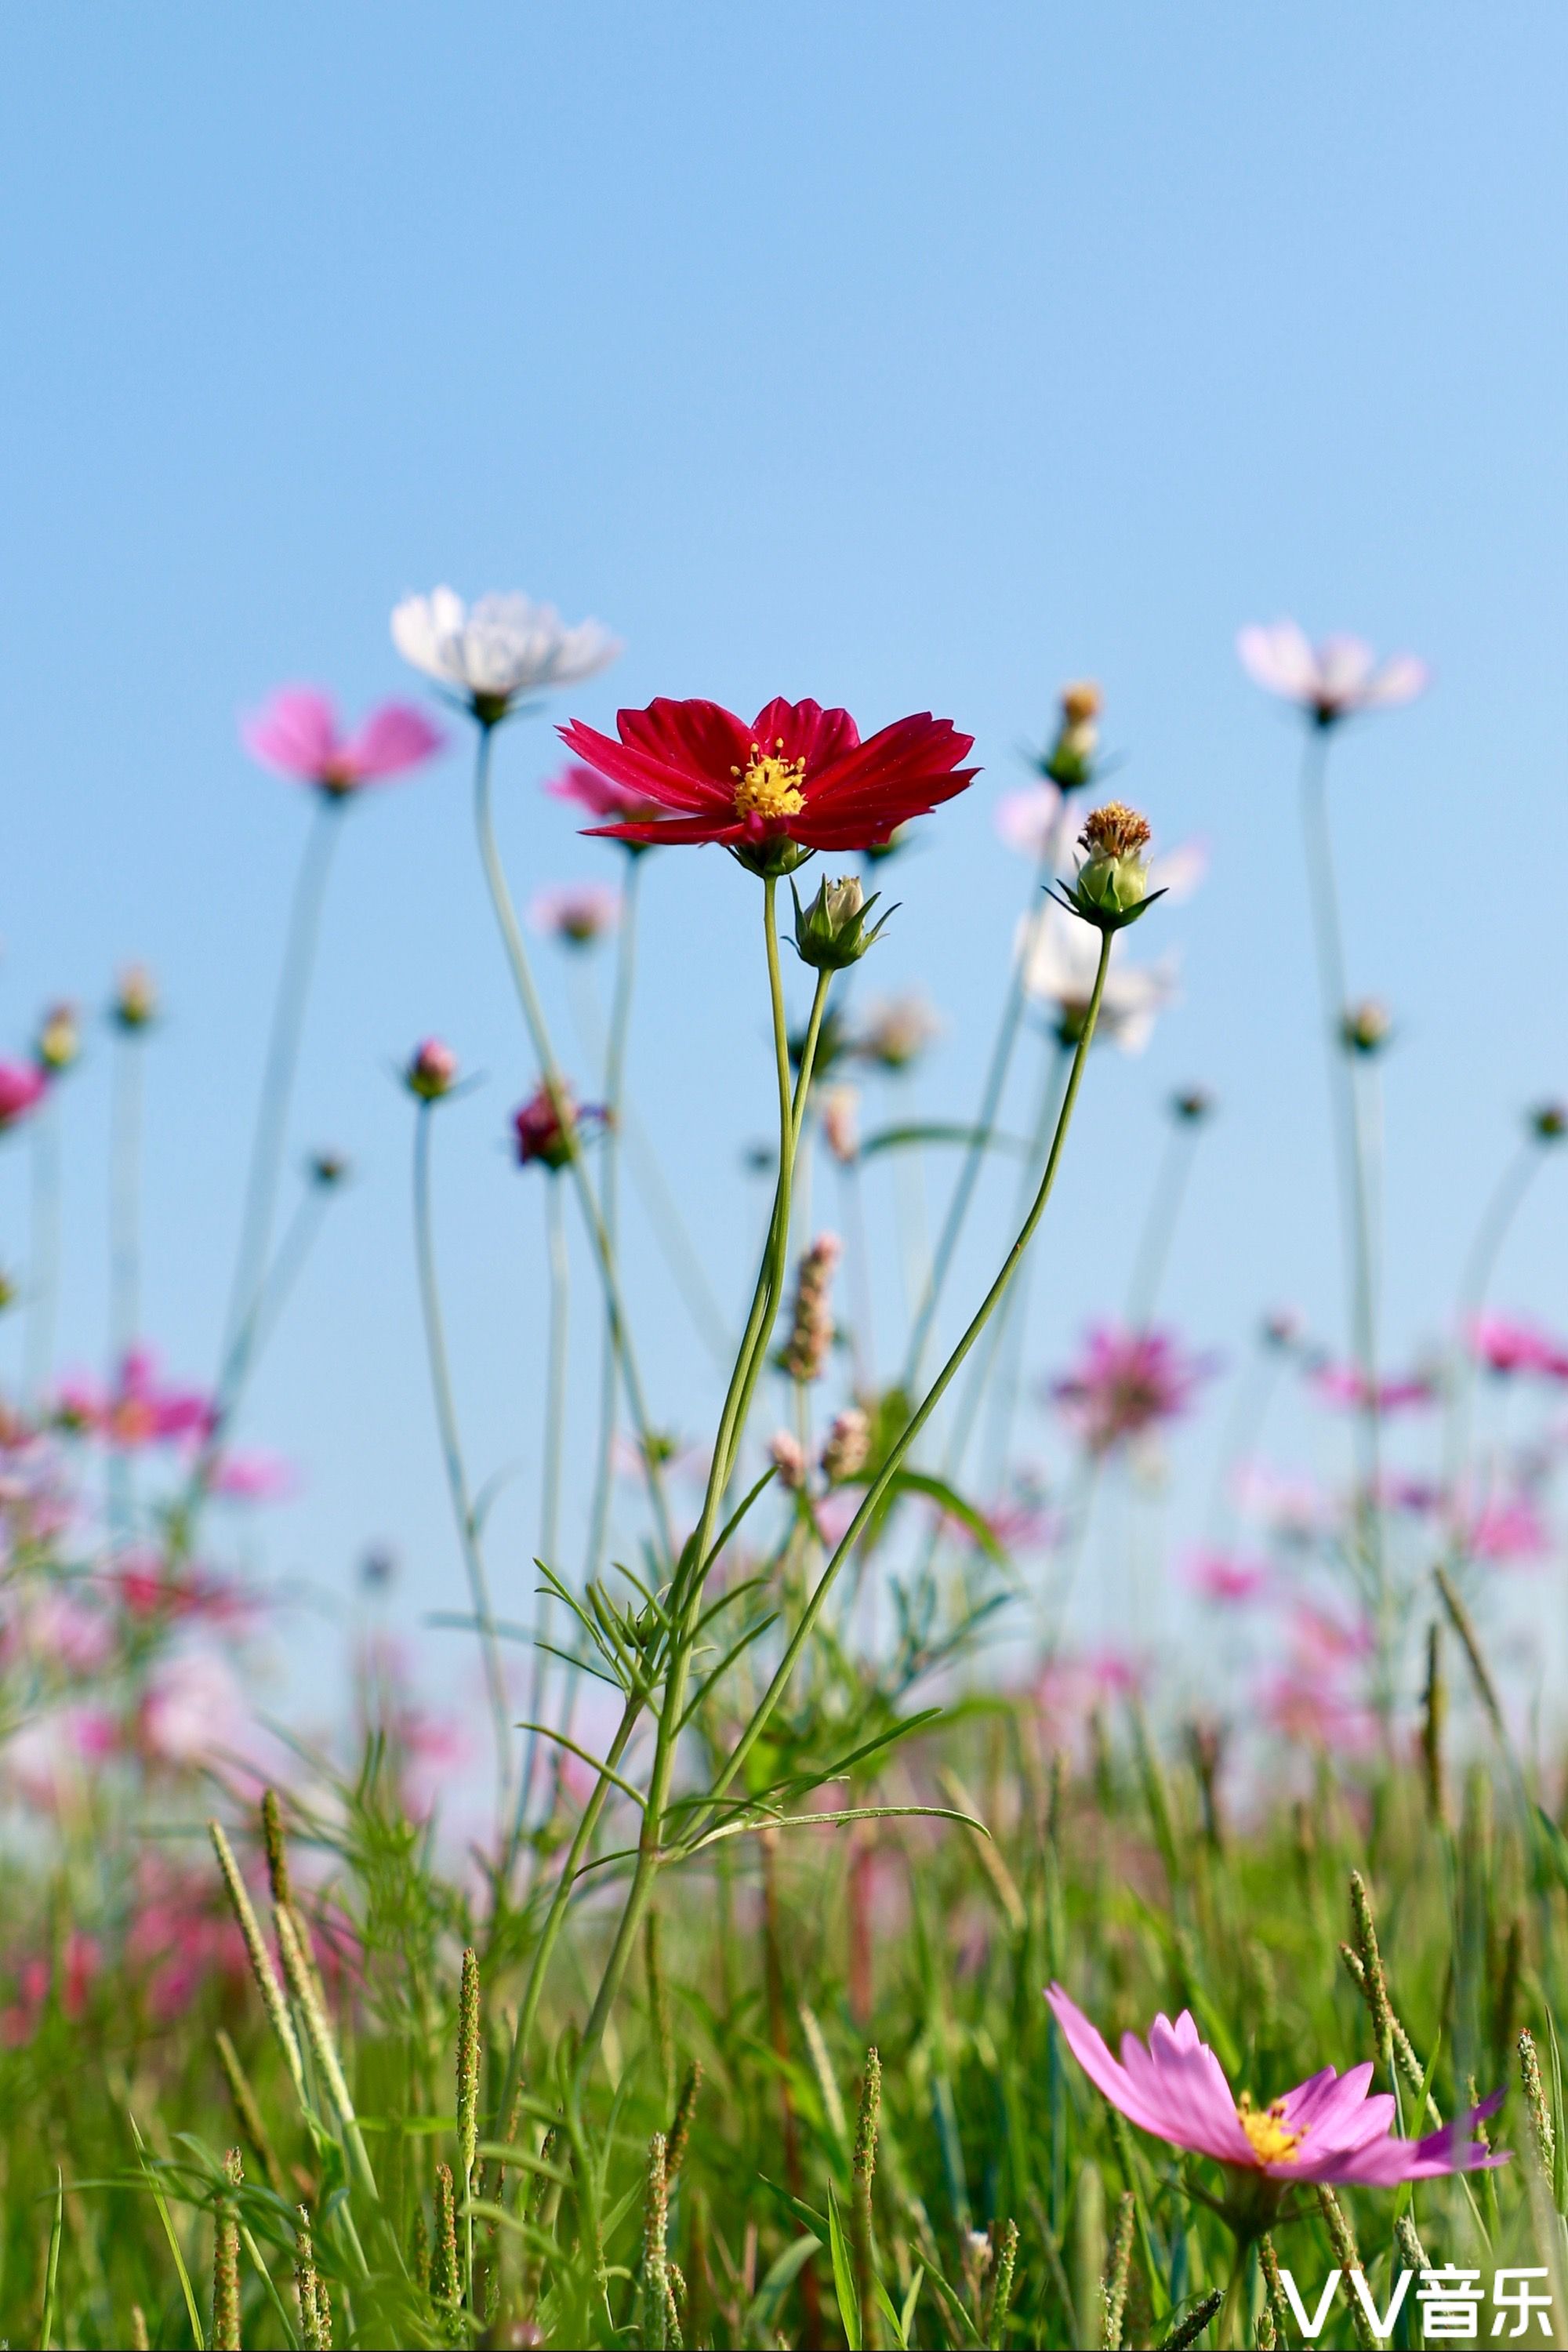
point(282, 1062)
point(985, 1119)
point(933, 1396)
point(533, 1018)
point(1160, 1224)
point(686, 1596)
point(451, 1451)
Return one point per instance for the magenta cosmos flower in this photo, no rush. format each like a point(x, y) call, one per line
point(22, 1086)
point(1127, 1382)
point(298, 733)
point(1505, 1344)
point(1330, 680)
point(1327, 2128)
point(603, 796)
point(797, 778)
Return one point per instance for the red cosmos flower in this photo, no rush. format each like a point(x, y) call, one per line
point(797, 779)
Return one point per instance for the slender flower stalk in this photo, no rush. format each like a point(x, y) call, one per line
point(651, 1855)
point(1188, 1114)
point(452, 1455)
point(559, 1261)
point(533, 1018)
point(44, 1247)
point(282, 1062)
point(610, 1203)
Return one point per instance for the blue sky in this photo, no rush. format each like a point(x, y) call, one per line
point(903, 356)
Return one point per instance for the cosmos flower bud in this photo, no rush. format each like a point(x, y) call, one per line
point(328, 1169)
point(432, 1071)
point(550, 1124)
point(7, 1291)
point(805, 1352)
point(831, 933)
point(1548, 1122)
point(787, 1455)
point(841, 1124)
point(135, 1004)
point(1069, 763)
point(1194, 1104)
point(1365, 1028)
point(58, 1042)
point(896, 1033)
point(848, 1444)
point(1112, 886)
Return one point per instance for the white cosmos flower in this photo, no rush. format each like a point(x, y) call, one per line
point(1061, 955)
point(500, 646)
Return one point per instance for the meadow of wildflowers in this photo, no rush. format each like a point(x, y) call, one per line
point(846, 1919)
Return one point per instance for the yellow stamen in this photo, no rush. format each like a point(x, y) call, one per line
point(1272, 2141)
point(770, 786)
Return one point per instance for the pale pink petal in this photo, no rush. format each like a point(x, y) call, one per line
point(1180, 2077)
point(1400, 679)
point(1087, 2047)
point(1279, 658)
point(1344, 667)
point(295, 733)
point(394, 737)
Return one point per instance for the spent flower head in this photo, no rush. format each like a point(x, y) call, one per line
point(1366, 1027)
point(135, 1000)
point(1111, 888)
point(1069, 762)
point(550, 1125)
point(59, 1041)
point(895, 1033)
point(840, 1121)
point(830, 934)
point(1548, 1122)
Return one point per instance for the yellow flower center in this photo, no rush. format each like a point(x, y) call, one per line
point(769, 784)
point(1272, 2141)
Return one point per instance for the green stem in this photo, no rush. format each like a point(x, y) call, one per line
point(1480, 1264)
point(124, 1244)
point(282, 1062)
point(533, 1018)
point(452, 1453)
point(933, 1396)
point(44, 1247)
point(985, 1119)
point(610, 1191)
point(1355, 1197)
point(1160, 1224)
point(550, 1505)
point(686, 1596)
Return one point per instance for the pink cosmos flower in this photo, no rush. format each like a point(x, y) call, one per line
point(139, 1409)
point(22, 1088)
point(296, 732)
point(194, 1710)
point(575, 913)
point(1508, 1530)
point(1223, 1577)
point(252, 1478)
point(1343, 1384)
point(1327, 2128)
point(1506, 1343)
point(1332, 679)
point(603, 796)
point(1126, 1383)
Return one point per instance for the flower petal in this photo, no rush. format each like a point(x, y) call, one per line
point(295, 733)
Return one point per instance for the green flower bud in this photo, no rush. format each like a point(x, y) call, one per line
point(1069, 761)
point(1365, 1028)
point(831, 933)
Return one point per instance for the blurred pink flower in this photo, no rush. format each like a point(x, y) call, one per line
point(1343, 1384)
point(1292, 1507)
point(193, 1709)
point(60, 1629)
point(1127, 1383)
point(296, 732)
point(1224, 1577)
point(1031, 822)
point(602, 796)
point(180, 1937)
point(1301, 1707)
point(252, 1479)
point(1332, 679)
point(1327, 2128)
point(1508, 1528)
point(1505, 1343)
point(80, 1960)
point(138, 1411)
point(44, 1757)
point(22, 1087)
point(576, 913)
